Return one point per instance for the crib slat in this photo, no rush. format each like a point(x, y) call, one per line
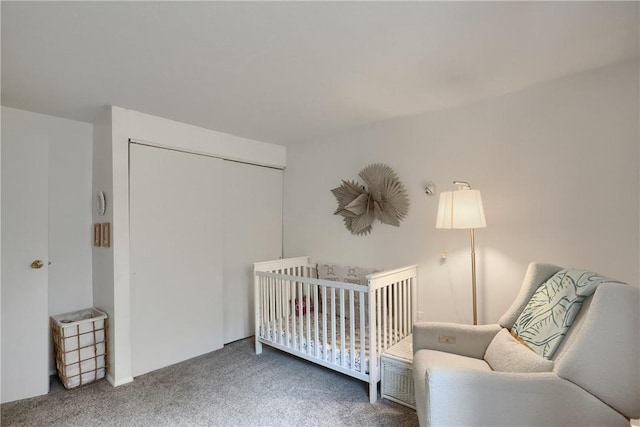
point(259, 307)
point(300, 317)
point(307, 314)
point(324, 323)
point(398, 312)
point(280, 310)
point(391, 316)
point(409, 321)
point(284, 308)
point(286, 286)
point(363, 331)
point(378, 295)
point(262, 310)
point(334, 345)
point(268, 307)
point(270, 315)
point(292, 307)
point(385, 343)
point(373, 354)
point(268, 303)
point(264, 307)
point(396, 327)
point(342, 336)
point(385, 315)
point(276, 303)
point(392, 310)
point(401, 325)
point(412, 302)
point(352, 330)
point(316, 333)
point(399, 332)
point(405, 310)
point(284, 320)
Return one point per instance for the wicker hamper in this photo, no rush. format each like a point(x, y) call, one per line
point(80, 344)
point(397, 373)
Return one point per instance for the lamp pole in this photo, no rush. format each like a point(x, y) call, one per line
point(473, 276)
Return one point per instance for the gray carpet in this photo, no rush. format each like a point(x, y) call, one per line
point(231, 386)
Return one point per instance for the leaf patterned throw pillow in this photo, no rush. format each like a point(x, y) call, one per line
point(552, 309)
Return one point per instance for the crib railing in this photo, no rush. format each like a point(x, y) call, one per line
point(342, 326)
point(392, 293)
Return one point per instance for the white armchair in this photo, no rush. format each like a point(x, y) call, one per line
point(592, 379)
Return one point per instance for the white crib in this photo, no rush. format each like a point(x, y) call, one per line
point(342, 326)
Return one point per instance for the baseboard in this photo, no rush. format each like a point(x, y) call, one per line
point(111, 381)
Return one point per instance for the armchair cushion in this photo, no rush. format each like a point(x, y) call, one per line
point(506, 354)
point(475, 397)
point(550, 312)
point(425, 360)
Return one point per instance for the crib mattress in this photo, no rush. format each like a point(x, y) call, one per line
point(278, 334)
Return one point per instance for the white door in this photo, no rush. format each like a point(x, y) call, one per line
point(176, 256)
point(25, 331)
point(252, 232)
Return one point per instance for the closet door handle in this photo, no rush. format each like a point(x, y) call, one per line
point(37, 264)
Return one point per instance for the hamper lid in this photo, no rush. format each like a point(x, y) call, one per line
point(79, 316)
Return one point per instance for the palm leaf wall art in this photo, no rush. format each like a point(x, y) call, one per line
point(384, 198)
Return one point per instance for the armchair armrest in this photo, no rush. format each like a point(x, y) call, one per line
point(465, 340)
point(470, 397)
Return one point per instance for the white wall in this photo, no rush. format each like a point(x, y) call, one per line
point(103, 291)
point(558, 168)
point(70, 204)
point(1, 114)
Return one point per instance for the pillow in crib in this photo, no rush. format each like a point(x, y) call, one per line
point(346, 274)
point(550, 312)
point(506, 354)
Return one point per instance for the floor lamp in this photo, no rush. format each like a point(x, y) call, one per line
point(462, 209)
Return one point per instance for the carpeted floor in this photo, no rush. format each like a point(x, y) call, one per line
point(232, 386)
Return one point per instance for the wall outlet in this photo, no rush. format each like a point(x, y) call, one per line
point(421, 315)
point(447, 339)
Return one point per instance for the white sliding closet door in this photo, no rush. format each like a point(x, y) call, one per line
point(252, 232)
point(176, 218)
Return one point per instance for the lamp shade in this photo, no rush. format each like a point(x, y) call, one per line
point(461, 209)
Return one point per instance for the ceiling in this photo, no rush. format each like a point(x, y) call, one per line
point(289, 72)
